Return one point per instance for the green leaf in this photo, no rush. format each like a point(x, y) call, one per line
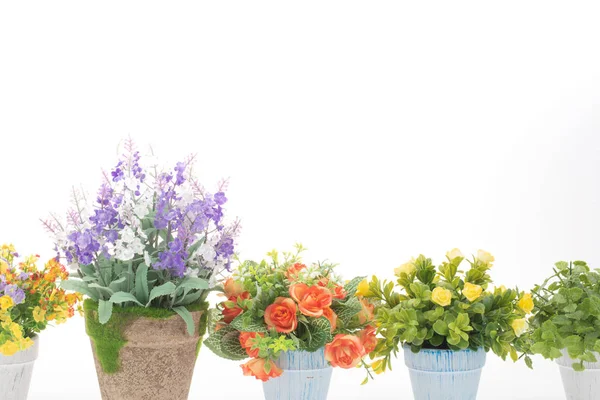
point(141, 283)
point(214, 343)
point(193, 283)
point(189, 298)
point(319, 331)
point(244, 324)
point(104, 311)
point(80, 287)
point(166, 289)
point(231, 347)
point(352, 286)
point(440, 327)
point(187, 317)
point(122, 297)
point(100, 288)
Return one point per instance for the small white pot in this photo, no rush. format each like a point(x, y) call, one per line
point(16, 371)
point(306, 376)
point(583, 385)
point(444, 374)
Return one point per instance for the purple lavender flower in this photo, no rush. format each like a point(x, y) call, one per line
point(84, 246)
point(16, 293)
point(23, 276)
point(173, 259)
point(180, 169)
point(137, 171)
point(220, 198)
point(117, 173)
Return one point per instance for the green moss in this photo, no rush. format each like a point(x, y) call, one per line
point(202, 327)
point(108, 339)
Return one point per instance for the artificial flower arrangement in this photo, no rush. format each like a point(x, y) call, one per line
point(30, 299)
point(283, 305)
point(444, 308)
point(152, 245)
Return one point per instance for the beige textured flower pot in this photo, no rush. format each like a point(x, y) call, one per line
point(156, 360)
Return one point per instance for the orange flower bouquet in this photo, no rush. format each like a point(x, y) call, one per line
point(281, 312)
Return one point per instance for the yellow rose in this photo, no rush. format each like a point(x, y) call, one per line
point(9, 348)
point(38, 314)
point(6, 302)
point(526, 303)
point(454, 253)
point(441, 296)
point(471, 291)
point(407, 268)
point(16, 331)
point(520, 326)
point(485, 257)
point(363, 288)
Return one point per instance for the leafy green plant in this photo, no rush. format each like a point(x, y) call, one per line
point(445, 308)
point(567, 314)
point(280, 305)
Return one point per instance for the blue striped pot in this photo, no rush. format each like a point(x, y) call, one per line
point(305, 376)
point(444, 374)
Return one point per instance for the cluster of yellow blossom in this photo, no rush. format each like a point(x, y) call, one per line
point(30, 299)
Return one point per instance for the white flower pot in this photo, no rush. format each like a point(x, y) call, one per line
point(583, 385)
point(306, 376)
point(16, 371)
point(444, 374)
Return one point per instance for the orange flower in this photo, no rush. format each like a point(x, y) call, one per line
point(345, 351)
point(339, 292)
point(368, 338)
point(232, 288)
point(247, 341)
point(311, 300)
point(331, 316)
point(231, 308)
point(366, 315)
point(256, 368)
point(293, 270)
point(281, 315)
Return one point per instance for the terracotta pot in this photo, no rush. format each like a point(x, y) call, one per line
point(156, 362)
point(16, 371)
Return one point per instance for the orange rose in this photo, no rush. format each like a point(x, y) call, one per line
point(247, 341)
point(231, 308)
point(339, 292)
point(366, 315)
point(256, 368)
point(368, 338)
point(293, 270)
point(331, 316)
point(281, 315)
point(345, 351)
point(311, 300)
point(232, 288)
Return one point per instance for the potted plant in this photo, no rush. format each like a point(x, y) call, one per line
point(446, 320)
point(566, 326)
point(29, 302)
point(295, 322)
point(147, 252)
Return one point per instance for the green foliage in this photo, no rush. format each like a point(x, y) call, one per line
point(567, 314)
point(444, 308)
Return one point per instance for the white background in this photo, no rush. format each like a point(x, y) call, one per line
point(370, 131)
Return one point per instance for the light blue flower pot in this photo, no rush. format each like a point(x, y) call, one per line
point(444, 374)
point(306, 376)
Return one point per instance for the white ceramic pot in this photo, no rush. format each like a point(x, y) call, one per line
point(16, 371)
point(582, 385)
point(306, 376)
point(444, 374)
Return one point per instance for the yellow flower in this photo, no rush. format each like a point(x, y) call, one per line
point(38, 314)
point(485, 257)
point(520, 326)
point(526, 303)
point(471, 291)
point(9, 348)
point(16, 331)
point(378, 366)
point(441, 296)
point(454, 253)
point(6, 302)
point(407, 268)
point(363, 288)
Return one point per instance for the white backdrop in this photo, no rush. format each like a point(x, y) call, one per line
point(370, 131)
